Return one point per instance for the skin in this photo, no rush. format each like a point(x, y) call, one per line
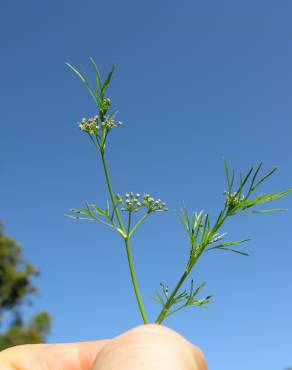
point(145, 347)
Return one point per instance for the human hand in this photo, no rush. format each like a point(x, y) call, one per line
point(145, 347)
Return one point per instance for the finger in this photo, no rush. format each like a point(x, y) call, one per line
point(71, 356)
point(151, 347)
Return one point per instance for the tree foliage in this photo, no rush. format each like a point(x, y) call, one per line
point(16, 285)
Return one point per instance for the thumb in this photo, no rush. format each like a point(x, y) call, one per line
point(150, 347)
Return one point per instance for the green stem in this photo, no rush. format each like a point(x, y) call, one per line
point(165, 309)
point(108, 181)
point(129, 223)
point(188, 269)
point(139, 223)
point(128, 248)
point(134, 281)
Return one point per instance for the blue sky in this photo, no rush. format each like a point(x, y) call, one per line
point(196, 82)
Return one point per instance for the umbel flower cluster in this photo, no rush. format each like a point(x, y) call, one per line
point(233, 199)
point(92, 126)
point(133, 202)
